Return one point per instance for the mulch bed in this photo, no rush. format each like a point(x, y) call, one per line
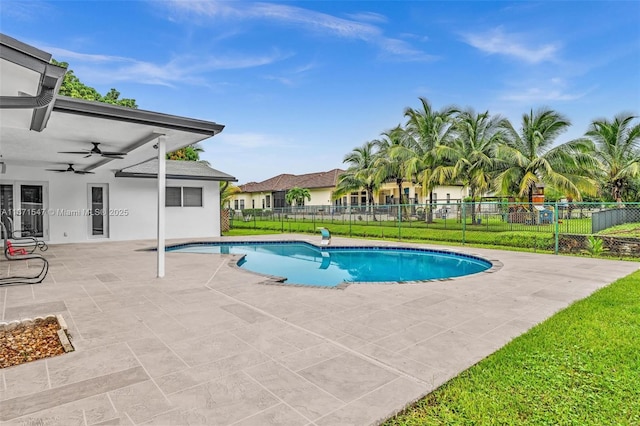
point(29, 342)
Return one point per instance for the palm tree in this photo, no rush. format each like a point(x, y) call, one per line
point(188, 153)
point(297, 195)
point(227, 191)
point(617, 144)
point(361, 174)
point(470, 157)
point(391, 159)
point(530, 159)
point(427, 129)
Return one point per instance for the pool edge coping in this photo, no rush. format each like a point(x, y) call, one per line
point(276, 280)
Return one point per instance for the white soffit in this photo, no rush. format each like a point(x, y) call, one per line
point(16, 80)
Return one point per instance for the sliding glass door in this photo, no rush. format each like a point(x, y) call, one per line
point(25, 204)
point(32, 210)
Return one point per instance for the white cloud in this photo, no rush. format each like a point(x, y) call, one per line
point(537, 94)
point(498, 42)
point(185, 69)
point(84, 57)
point(368, 17)
point(553, 89)
point(360, 27)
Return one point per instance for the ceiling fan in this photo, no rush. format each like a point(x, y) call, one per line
point(70, 169)
point(97, 151)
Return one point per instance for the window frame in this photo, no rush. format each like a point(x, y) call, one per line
point(182, 197)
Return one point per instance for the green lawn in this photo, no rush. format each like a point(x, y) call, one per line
point(539, 240)
point(580, 367)
point(627, 230)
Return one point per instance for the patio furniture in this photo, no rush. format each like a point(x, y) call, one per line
point(21, 253)
point(28, 242)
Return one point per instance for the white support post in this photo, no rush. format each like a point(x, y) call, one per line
point(162, 183)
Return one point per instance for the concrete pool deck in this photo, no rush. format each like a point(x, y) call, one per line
point(208, 344)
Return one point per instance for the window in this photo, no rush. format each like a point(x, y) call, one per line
point(99, 208)
point(174, 196)
point(253, 204)
point(263, 203)
point(448, 198)
point(354, 199)
point(241, 204)
point(235, 204)
point(435, 197)
point(268, 198)
point(177, 196)
point(192, 197)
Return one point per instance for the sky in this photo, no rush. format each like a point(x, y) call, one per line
point(299, 84)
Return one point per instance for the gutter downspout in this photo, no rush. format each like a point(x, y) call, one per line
point(41, 100)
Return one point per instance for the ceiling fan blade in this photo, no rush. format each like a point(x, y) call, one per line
point(113, 157)
point(83, 172)
point(73, 152)
point(112, 153)
point(55, 170)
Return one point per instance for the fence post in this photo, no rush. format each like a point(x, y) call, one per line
point(556, 214)
point(399, 220)
point(464, 221)
point(350, 234)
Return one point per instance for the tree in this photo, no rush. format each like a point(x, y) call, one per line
point(361, 173)
point(297, 195)
point(617, 147)
point(227, 191)
point(73, 87)
point(427, 129)
point(391, 160)
point(470, 157)
point(529, 157)
point(188, 153)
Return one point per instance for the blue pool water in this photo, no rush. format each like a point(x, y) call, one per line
point(303, 263)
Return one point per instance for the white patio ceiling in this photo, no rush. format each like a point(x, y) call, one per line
point(71, 132)
point(74, 124)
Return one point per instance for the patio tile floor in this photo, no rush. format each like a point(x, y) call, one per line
point(209, 344)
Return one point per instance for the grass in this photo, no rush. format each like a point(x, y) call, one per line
point(580, 367)
point(473, 235)
point(627, 230)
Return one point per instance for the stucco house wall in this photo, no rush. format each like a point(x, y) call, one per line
point(132, 202)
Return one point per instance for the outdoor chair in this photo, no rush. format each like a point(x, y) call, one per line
point(29, 243)
point(13, 253)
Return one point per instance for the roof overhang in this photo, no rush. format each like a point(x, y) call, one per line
point(68, 124)
point(177, 177)
point(29, 84)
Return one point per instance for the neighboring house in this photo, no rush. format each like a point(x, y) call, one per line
point(73, 170)
point(271, 193)
point(388, 194)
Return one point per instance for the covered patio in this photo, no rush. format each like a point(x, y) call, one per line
point(211, 344)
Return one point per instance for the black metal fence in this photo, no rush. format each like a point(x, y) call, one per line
point(591, 228)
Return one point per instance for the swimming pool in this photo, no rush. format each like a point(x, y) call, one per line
point(306, 264)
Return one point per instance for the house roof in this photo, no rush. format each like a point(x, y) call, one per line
point(186, 170)
point(285, 181)
point(29, 100)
